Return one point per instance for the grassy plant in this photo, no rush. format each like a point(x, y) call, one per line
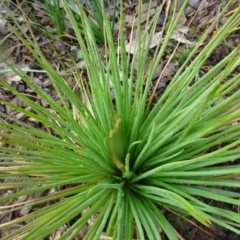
point(96, 10)
point(57, 15)
point(108, 151)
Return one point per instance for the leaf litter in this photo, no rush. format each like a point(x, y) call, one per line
point(198, 16)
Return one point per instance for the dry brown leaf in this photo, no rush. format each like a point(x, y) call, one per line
point(132, 46)
point(147, 6)
point(147, 15)
point(178, 35)
point(183, 20)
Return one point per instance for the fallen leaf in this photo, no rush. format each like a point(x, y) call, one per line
point(178, 35)
point(132, 46)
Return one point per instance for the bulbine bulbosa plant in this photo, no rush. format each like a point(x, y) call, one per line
point(111, 154)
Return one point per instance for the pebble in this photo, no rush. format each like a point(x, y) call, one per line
point(2, 109)
point(21, 87)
